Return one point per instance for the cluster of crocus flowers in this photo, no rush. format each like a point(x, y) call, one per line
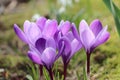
point(48, 40)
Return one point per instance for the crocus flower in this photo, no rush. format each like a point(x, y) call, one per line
point(72, 44)
point(46, 54)
point(91, 37)
point(32, 31)
point(43, 28)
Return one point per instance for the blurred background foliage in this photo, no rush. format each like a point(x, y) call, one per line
point(115, 12)
point(14, 64)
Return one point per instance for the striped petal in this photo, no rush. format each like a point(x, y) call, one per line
point(65, 27)
point(50, 28)
point(33, 33)
point(41, 23)
point(48, 57)
point(83, 26)
point(96, 27)
point(87, 37)
point(51, 43)
point(101, 37)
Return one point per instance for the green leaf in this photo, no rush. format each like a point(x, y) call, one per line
point(116, 13)
point(84, 73)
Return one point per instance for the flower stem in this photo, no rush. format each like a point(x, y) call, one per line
point(65, 70)
point(41, 72)
point(50, 73)
point(88, 66)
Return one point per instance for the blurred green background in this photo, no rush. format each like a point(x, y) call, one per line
point(105, 60)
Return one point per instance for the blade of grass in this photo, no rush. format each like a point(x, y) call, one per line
point(33, 70)
point(115, 12)
point(46, 74)
point(78, 76)
point(84, 73)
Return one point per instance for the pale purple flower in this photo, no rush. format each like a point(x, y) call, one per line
point(72, 45)
point(46, 53)
point(71, 42)
point(39, 32)
point(92, 36)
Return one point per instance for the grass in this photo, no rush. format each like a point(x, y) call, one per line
point(107, 53)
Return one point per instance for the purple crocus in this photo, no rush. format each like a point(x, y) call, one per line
point(46, 53)
point(43, 28)
point(32, 31)
point(72, 44)
point(91, 37)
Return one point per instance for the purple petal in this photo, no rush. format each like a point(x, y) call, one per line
point(101, 38)
point(48, 57)
point(96, 27)
point(33, 32)
point(76, 45)
point(70, 36)
point(67, 49)
point(51, 43)
point(75, 31)
point(87, 37)
point(83, 26)
point(50, 28)
point(26, 26)
point(65, 27)
point(34, 57)
point(61, 48)
point(20, 33)
point(60, 24)
point(40, 44)
point(33, 48)
point(57, 36)
point(41, 22)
